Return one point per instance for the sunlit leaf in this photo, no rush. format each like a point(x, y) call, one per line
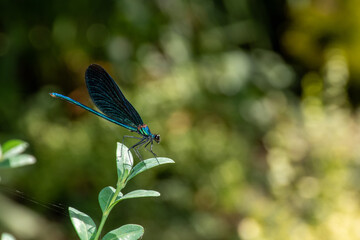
point(13, 147)
point(18, 161)
point(124, 161)
point(105, 197)
point(83, 224)
point(7, 236)
point(147, 164)
point(141, 193)
point(126, 232)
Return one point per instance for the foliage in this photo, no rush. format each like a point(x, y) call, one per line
point(11, 154)
point(257, 100)
point(109, 197)
point(7, 236)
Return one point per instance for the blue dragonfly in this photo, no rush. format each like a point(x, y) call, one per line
point(109, 99)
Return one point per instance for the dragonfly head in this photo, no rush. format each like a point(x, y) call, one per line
point(156, 138)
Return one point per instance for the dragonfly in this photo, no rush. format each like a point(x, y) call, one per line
point(114, 107)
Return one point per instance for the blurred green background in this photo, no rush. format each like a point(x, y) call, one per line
point(256, 100)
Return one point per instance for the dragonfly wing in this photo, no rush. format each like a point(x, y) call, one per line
point(60, 96)
point(108, 97)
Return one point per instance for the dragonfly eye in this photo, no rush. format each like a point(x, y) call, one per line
point(157, 138)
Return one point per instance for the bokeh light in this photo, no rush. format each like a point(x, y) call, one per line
point(256, 101)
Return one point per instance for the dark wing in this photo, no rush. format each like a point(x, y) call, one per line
point(108, 97)
point(65, 98)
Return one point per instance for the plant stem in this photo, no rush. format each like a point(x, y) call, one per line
point(119, 187)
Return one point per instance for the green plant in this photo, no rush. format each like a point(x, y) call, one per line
point(7, 236)
point(109, 197)
point(11, 154)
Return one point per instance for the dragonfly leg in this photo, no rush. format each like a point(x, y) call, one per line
point(147, 145)
point(136, 149)
point(128, 136)
point(137, 145)
point(137, 153)
point(150, 150)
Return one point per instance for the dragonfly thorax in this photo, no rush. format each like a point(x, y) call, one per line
point(144, 130)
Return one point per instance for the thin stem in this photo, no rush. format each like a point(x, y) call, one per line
point(102, 223)
point(107, 211)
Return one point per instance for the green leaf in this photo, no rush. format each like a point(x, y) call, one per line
point(7, 236)
point(141, 193)
point(124, 161)
point(83, 224)
point(13, 147)
point(147, 164)
point(126, 232)
point(105, 197)
point(18, 161)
